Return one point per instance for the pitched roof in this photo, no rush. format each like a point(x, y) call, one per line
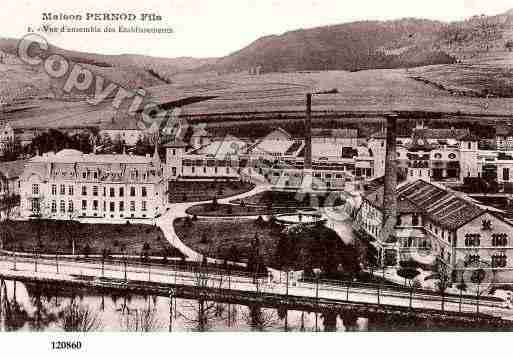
point(440, 205)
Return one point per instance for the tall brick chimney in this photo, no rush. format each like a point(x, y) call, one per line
point(308, 132)
point(390, 187)
point(306, 185)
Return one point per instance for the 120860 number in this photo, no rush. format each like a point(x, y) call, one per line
point(67, 345)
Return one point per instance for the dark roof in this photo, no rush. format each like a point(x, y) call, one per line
point(440, 205)
point(404, 205)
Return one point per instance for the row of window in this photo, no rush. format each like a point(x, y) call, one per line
point(95, 206)
point(94, 191)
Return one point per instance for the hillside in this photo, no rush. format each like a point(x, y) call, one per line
point(364, 45)
point(19, 82)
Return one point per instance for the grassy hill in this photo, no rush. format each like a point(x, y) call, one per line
point(364, 45)
point(19, 82)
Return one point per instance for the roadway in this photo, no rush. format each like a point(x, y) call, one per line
point(71, 270)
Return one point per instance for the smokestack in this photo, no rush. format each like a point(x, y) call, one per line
point(390, 187)
point(308, 132)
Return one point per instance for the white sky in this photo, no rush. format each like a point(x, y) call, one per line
point(205, 28)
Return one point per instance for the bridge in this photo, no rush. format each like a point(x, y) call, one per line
point(236, 287)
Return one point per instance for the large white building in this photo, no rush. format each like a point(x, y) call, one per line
point(277, 158)
point(434, 155)
point(70, 184)
point(437, 226)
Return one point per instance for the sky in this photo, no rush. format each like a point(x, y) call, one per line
point(213, 28)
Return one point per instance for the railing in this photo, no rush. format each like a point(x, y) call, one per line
point(313, 288)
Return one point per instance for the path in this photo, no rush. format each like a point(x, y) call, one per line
point(76, 271)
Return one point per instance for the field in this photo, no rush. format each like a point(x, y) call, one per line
point(371, 91)
point(198, 191)
point(56, 236)
point(253, 240)
point(231, 210)
point(489, 76)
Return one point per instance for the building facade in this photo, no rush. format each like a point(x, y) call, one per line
point(439, 227)
point(73, 185)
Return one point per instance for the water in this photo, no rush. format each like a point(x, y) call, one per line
point(35, 307)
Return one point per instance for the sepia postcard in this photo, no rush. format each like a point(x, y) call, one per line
point(255, 166)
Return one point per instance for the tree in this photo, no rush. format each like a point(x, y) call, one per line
point(78, 318)
point(442, 283)
point(260, 319)
point(413, 284)
point(198, 316)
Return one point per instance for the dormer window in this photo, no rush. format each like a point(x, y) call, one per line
point(487, 224)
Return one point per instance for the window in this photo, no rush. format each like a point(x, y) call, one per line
point(84, 191)
point(54, 206)
point(398, 221)
point(143, 191)
point(62, 189)
point(95, 205)
point(70, 190)
point(95, 191)
point(505, 174)
point(132, 206)
point(121, 192)
point(143, 205)
point(104, 192)
point(62, 206)
point(487, 224)
point(472, 240)
point(35, 205)
point(112, 206)
point(84, 175)
point(95, 175)
point(438, 156)
point(473, 259)
point(132, 191)
point(121, 206)
point(499, 239)
point(84, 205)
point(54, 189)
point(415, 219)
point(452, 156)
point(499, 260)
point(112, 192)
point(71, 207)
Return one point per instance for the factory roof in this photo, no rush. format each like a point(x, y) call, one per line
point(440, 205)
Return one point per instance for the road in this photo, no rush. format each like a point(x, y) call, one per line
point(361, 293)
